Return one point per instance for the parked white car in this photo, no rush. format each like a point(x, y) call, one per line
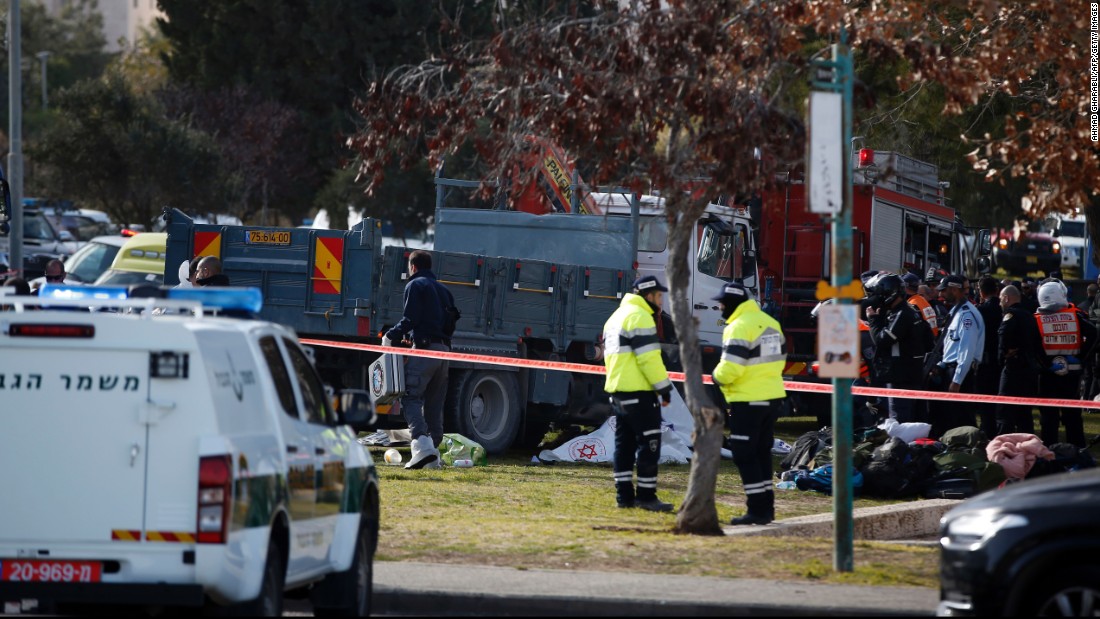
point(1071, 232)
point(88, 262)
point(171, 458)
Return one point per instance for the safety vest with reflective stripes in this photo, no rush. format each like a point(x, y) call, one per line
point(632, 353)
point(1061, 332)
point(751, 368)
point(927, 312)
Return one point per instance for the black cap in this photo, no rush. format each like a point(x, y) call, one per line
point(648, 283)
point(910, 280)
point(732, 290)
point(952, 281)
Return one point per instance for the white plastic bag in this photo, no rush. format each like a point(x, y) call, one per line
point(907, 432)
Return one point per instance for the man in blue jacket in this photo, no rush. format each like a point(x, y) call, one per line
point(422, 324)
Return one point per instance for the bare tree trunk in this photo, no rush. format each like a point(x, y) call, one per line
point(698, 514)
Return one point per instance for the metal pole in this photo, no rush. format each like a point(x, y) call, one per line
point(42, 56)
point(15, 134)
point(842, 276)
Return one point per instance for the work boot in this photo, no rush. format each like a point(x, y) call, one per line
point(624, 494)
point(751, 519)
point(653, 505)
point(424, 453)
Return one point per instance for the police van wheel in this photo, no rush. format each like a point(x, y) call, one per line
point(269, 603)
point(483, 406)
point(348, 594)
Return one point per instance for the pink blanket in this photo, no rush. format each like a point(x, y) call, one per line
point(1017, 453)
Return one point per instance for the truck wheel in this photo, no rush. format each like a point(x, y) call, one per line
point(348, 593)
point(269, 603)
point(485, 408)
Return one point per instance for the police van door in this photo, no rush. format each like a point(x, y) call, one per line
point(301, 462)
point(328, 451)
point(72, 443)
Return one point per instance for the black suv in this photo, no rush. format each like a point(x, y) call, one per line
point(1032, 548)
point(1033, 251)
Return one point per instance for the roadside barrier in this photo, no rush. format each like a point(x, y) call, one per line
point(789, 385)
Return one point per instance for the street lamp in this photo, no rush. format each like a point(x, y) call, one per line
point(42, 56)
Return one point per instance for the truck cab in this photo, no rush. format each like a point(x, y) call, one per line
point(723, 248)
point(1071, 232)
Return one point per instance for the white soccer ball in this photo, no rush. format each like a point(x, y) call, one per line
point(392, 456)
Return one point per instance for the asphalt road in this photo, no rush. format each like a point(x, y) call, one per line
point(407, 588)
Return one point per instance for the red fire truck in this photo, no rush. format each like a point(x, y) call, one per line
point(901, 222)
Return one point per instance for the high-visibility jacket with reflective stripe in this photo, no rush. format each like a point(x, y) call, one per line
point(632, 353)
point(1061, 331)
point(753, 357)
point(927, 312)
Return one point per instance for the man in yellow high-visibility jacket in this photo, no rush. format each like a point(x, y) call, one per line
point(635, 376)
point(750, 374)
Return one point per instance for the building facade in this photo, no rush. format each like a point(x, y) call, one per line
point(123, 20)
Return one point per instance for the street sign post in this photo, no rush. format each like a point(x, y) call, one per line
point(838, 70)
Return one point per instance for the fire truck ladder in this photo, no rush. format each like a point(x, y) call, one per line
point(802, 244)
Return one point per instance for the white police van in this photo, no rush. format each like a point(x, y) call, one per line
point(173, 458)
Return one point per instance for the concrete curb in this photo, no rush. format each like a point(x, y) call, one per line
point(888, 522)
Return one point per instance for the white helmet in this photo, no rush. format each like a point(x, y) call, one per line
point(1052, 295)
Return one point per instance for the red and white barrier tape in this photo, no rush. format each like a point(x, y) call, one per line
point(789, 385)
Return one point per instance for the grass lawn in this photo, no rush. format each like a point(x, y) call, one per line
point(563, 516)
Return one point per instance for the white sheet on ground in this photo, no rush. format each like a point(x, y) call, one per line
point(599, 446)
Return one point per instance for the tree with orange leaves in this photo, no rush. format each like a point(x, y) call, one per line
point(663, 93)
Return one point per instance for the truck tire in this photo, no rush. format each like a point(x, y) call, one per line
point(269, 603)
point(348, 593)
point(483, 405)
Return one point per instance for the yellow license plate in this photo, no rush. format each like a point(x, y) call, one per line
point(266, 237)
point(1033, 259)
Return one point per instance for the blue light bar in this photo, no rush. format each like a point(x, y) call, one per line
point(239, 299)
point(223, 299)
point(80, 293)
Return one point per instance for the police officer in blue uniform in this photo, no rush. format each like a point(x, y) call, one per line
point(963, 346)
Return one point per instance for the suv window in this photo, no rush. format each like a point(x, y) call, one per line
point(313, 394)
point(90, 261)
point(37, 228)
point(279, 375)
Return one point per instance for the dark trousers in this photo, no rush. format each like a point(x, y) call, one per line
point(637, 438)
point(752, 434)
point(988, 382)
point(1020, 382)
point(902, 409)
point(1061, 387)
point(425, 391)
point(948, 413)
